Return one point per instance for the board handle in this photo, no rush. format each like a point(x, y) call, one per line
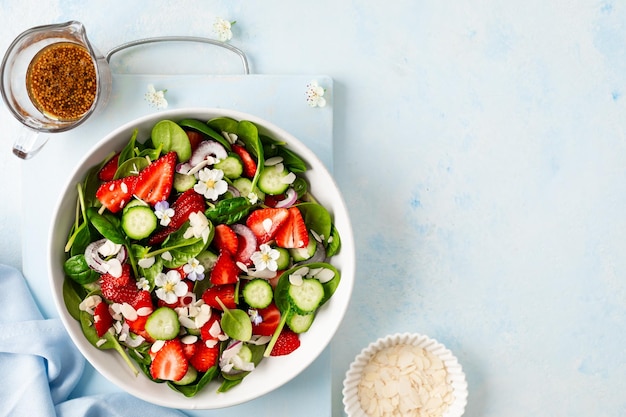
point(237, 51)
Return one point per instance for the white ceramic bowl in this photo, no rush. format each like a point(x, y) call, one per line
point(273, 372)
point(455, 375)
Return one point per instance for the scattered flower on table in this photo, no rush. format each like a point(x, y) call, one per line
point(156, 98)
point(223, 29)
point(170, 286)
point(164, 212)
point(315, 94)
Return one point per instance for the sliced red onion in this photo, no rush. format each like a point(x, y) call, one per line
point(318, 256)
point(249, 239)
point(206, 149)
point(234, 191)
point(290, 198)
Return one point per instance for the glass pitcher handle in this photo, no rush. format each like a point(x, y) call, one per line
point(239, 52)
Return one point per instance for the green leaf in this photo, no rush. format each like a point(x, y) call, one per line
point(232, 380)
point(131, 166)
point(334, 242)
point(171, 137)
point(191, 390)
point(316, 218)
point(107, 225)
point(229, 211)
point(235, 323)
point(205, 129)
point(183, 249)
point(73, 295)
point(130, 150)
point(77, 269)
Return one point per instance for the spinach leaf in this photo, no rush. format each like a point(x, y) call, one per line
point(207, 130)
point(229, 211)
point(171, 137)
point(334, 242)
point(77, 269)
point(73, 295)
point(180, 248)
point(191, 390)
point(130, 150)
point(223, 124)
point(231, 380)
point(107, 225)
point(131, 166)
point(317, 218)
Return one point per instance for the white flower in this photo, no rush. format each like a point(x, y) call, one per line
point(315, 95)
point(163, 212)
point(170, 286)
point(210, 184)
point(253, 197)
point(194, 270)
point(222, 29)
point(198, 226)
point(156, 98)
point(143, 284)
point(265, 258)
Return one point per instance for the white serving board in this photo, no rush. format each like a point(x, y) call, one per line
point(276, 98)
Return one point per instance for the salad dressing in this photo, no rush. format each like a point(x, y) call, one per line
point(61, 81)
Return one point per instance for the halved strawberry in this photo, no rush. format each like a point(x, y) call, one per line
point(115, 194)
point(293, 233)
point(169, 363)
point(271, 319)
point(225, 271)
point(102, 320)
point(189, 349)
point(212, 329)
point(187, 203)
point(205, 357)
point(265, 222)
point(121, 289)
point(144, 306)
point(226, 239)
point(287, 342)
point(154, 182)
point(107, 173)
point(249, 164)
point(226, 294)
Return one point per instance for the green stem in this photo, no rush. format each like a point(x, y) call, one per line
point(279, 329)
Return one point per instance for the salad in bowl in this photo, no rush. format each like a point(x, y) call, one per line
point(201, 258)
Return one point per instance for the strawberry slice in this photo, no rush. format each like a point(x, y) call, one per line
point(121, 289)
point(212, 329)
point(144, 306)
point(266, 222)
point(287, 342)
point(194, 138)
point(107, 173)
point(115, 194)
point(225, 239)
point(271, 319)
point(187, 203)
point(169, 363)
point(293, 233)
point(204, 357)
point(249, 164)
point(226, 294)
point(102, 320)
point(154, 182)
point(189, 349)
point(225, 271)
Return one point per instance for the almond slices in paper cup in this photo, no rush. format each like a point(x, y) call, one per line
point(405, 374)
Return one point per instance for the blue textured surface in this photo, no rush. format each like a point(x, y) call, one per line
point(480, 148)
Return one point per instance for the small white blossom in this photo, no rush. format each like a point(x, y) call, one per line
point(194, 270)
point(210, 183)
point(222, 29)
point(164, 212)
point(265, 258)
point(198, 226)
point(253, 197)
point(170, 286)
point(143, 284)
point(156, 98)
point(315, 94)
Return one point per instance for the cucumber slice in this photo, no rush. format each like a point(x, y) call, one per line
point(163, 324)
point(307, 297)
point(284, 258)
point(189, 377)
point(300, 323)
point(183, 182)
point(244, 185)
point(245, 354)
point(302, 254)
point(138, 222)
point(258, 293)
point(231, 165)
point(273, 180)
point(134, 203)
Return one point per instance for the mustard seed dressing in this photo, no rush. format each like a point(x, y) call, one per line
point(61, 81)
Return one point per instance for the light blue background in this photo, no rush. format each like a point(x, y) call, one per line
point(480, 148)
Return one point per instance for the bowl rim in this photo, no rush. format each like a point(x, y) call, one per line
point(456, 378)
point(208, 399)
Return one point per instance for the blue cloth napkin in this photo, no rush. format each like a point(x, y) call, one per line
point(40, 366)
